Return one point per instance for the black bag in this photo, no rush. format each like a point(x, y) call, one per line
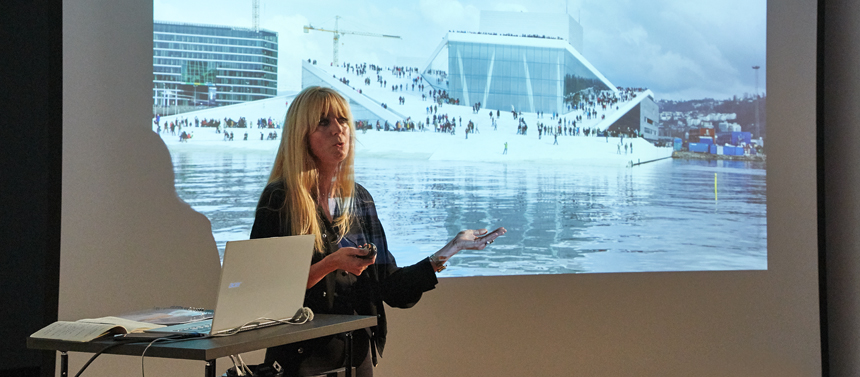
point(260, 370)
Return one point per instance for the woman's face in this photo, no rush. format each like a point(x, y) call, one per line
point(329, 143)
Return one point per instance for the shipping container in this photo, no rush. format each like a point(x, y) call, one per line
point(698, 147)
point(729, 150)
point(723, 138)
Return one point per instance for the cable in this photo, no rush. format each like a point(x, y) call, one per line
point(90, 361)
point(239, 370)
point(301, 317)
point(245, 366)
point(142, 371)
point(118, 342)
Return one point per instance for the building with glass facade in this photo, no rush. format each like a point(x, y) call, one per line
point(518, 73)
point(196, 65)
point(525, 71)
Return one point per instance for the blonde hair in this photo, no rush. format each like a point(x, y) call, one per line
point(296, 167)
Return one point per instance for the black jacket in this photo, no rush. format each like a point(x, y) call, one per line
point(340, 292)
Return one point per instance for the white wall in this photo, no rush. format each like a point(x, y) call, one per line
point(125, 233)
point(127, 243)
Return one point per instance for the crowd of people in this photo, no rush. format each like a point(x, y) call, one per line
point(416, 83)
point(268, 123)
point(273, 135)
point(588, 106)
point(439, 74)
point(445, 123)
point(506, 34)
point(180, 125)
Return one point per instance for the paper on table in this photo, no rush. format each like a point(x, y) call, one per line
point(86, 330)
point(129, 325)
point(73, 331)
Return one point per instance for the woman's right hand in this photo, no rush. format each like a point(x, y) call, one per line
point(349, 259)
point(345, 258)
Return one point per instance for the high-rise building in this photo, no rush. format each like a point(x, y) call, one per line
point(208, 65)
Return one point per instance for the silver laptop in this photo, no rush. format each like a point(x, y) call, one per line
point(262, 280)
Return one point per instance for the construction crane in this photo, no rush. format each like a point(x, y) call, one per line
point(337, 33)
point(255, 14)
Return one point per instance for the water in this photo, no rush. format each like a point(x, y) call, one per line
point(561, 218)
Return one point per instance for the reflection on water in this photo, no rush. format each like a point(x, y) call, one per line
point(661, 216)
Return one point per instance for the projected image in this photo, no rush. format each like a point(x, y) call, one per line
point(604, 136)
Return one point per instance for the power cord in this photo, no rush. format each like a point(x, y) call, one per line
point(103, 350)
point(245, 366)
point(301, 317)
point(142, 370)
point(240, 367)
point(239, 370)
point(122, 341)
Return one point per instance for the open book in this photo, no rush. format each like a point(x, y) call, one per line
point(85, 330)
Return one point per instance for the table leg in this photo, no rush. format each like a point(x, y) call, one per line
point(210, 368)
point(348, 354)
point(64, 364)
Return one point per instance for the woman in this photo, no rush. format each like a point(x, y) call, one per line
point(312, 191)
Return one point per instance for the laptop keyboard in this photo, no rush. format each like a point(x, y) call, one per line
point(201, 327)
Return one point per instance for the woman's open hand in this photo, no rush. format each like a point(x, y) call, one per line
point(476, 239)
point(469, 239)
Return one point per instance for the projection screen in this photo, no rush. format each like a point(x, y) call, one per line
point(125, 214)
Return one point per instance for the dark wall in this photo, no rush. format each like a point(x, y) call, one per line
point(841, 131)
point(31, 144)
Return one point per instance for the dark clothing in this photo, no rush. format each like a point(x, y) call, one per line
point(340, 292)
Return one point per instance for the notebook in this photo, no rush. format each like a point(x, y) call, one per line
point(260, 278)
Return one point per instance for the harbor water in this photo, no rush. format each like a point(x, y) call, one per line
point(669, 215)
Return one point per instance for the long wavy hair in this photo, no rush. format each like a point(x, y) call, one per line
point(296, 167)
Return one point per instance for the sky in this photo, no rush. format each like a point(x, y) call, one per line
point(679, 49)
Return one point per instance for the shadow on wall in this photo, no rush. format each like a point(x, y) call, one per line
point(128, 242)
